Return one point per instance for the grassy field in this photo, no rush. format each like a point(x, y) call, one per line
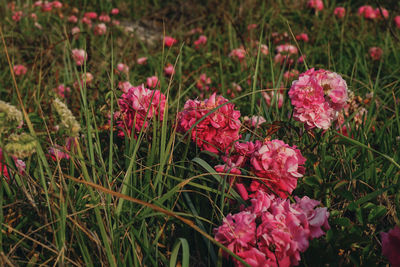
point(97, 170)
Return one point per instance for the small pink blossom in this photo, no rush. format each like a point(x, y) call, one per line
point(87, 21)
point(238, 53)
point(152, 81)
point(138, 107)
point(169, 41)
point(203, 83)
point(85, 78)
point(287, 48)
point(251, 26)
point(56, 152)
point(378, 13)
point(124, 86)
point(318, 5)
point(72, 19)
point(201, 41)
point(100, 29)
point(254, 121)
point(339, 12)
point(375, 53)
point(90, 15)
point(62, 90)
point(4, 170)
point(273, 95)
point(114, 11)
point(104, 18)
point(142, 61)
point(17, 16)
point(56, 4)
point(123, 68)
point(169, 69)
point(47, 6)
point(79, 56)
point(367, 11)
point(391, 246)
point(301, 59)
point(302, 37)
point(216, 132)
point(291, 74)
point(115, 22)
point(75, 31)
point(397, 21)
point(33, 16)
point(20, 70)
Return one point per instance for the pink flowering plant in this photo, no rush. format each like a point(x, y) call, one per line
point(209, 133)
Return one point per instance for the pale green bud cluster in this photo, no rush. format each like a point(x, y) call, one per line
point(20, 145)
point(68, 120)
point(10, 117)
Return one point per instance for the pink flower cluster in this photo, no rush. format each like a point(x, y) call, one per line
point(138, 106)
point(79, 56)
point(317, 96)
point(20, 70)
point(369, 12)
point(273, 231)
point(317, 5)
point(276, 165)
point(215, 132)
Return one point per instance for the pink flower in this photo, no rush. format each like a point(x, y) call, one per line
point(90, 15)
point(339, 12)
point(367, 11)
point(169, 69)
point(397, 21)
point(279, 165)
point(287, 49)
point(104, 18)
point(316, 115)
point(33, 16)
point(62, 90)
point(378, 13)
point(124, 86)
point(135, 105)
point(4, 169)
point(100, 29)
point(316, 217)
point(20, 70)
point(251, 26)
point(123, 68)
point(86, 78)
point(238, 53)
point(237, 231)
point(302, 37)
point(273, 95)
point(291, 74)
point(87, 21)
point(72, 19)
point(203, 82)
point(200, 42)
point(75, 31)
point(56, 4)
point(264, 49)
point(17, 16)
point(169, 41)
point(79, 56)
point(56, 152)
point(316, 95)
point(318, 5)
point(254, 121)
point(152, 81)
point(115, 22)
point(215, 132)
point(391, 246)
point(142, 61)
point(375, 53)
point(47, 6)
point(114, 11)
point(301, 59)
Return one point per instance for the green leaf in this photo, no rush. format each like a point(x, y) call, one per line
point(376, 213)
